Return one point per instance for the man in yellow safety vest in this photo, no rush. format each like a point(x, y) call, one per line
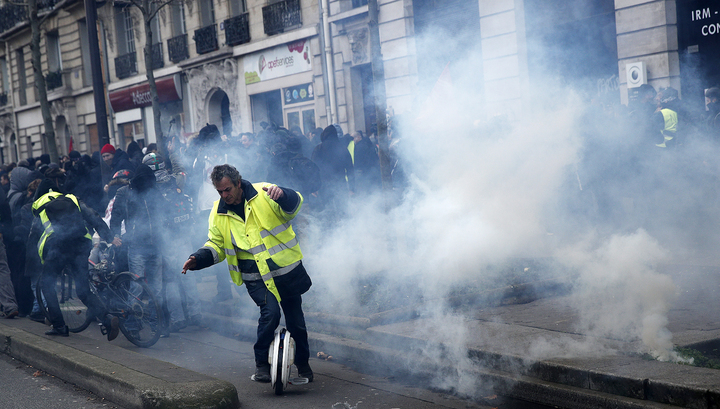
point(250, 227)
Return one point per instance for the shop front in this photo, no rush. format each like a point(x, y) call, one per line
point(133, 110)
point(279, 81)
point(699, 48)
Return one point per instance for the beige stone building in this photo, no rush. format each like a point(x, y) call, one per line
point(306, 63)
point(65, 66)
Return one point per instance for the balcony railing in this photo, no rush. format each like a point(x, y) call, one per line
point(237, 30)
point(281, 16)
point(206, 39)
point(11, 15)
point(178, 48)
point(53, 80)
point(126, 65)
point(3, 99)
point(46, 4)
point(157, 56)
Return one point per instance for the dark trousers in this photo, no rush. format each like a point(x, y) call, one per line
point(74, 256)
point(270, 319)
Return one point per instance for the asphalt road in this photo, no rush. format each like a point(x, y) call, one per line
point(24, 387)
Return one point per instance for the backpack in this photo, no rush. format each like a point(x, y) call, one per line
point(306, 174)
point(65, 217)
point(178, 209)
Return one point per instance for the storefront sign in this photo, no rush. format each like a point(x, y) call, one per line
point(278, 62)
point(701, 22)
point(298, 93)
point(139, 96)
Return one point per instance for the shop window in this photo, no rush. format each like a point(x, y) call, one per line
point(132, 131)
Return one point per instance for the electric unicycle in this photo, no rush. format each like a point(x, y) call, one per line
point(281, 358)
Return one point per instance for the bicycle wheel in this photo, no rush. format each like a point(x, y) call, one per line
point(141, 317)
point(73, 310)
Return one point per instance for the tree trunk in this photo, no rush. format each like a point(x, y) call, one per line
point(151, 78)
point(49, 134)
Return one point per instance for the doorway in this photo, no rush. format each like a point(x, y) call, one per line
point(218, 112)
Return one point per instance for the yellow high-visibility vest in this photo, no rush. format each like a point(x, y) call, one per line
point(265, 237)
point(47, 226)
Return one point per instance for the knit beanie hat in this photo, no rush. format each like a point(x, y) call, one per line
point(107, 149)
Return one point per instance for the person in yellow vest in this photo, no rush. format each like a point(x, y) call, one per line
point(667, 117)
point(66, 242)
point(250, 227)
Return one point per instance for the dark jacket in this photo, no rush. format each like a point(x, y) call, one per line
point(140, 205)
point(334, 162)
point(367, 164)
point(120, 161)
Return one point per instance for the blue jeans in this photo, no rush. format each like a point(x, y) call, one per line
point(270, 319)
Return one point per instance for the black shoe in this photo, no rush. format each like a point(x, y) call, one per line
point(304, 371)
point(12, 315)
point(63, 332)
point(262, 374)
point(112, 323)
point(37, 317)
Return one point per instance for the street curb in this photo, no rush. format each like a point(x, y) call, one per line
point(114, 381)
point(566, 383)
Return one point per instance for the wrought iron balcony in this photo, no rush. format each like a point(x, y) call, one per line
point(46, 4)
point(281, 16)
point(237, 30)
point(125, 65)
point(359, 3)
point(3, 99)
point(157, 56)
point(206, 39)
point(178, 48)
point(11, 15)
point(53, 80)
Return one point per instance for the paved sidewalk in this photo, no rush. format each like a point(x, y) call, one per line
point(501, 349)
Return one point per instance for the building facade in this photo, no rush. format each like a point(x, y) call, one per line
point(307, 63)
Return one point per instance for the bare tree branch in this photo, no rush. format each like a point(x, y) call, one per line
point(159, 6)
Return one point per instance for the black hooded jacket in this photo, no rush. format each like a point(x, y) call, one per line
point(140, 205)
point(334, 161)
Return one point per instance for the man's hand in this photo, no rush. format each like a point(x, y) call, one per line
point(190, 264)
point(274, 192)
point(117, 242)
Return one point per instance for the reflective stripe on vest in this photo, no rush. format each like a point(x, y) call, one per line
point(273, 273)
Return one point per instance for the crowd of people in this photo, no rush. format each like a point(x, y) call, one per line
point(147, 206)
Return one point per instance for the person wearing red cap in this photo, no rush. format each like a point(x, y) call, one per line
point(108, 153)
point(116, 160)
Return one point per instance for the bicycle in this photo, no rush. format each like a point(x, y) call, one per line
point(124, 295)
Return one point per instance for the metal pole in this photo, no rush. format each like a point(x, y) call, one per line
point(97, 76)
